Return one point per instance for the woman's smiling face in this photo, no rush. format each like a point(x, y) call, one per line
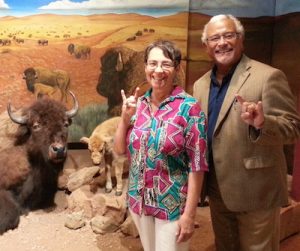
point(160, 70)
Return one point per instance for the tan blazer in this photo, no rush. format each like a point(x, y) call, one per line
point(250, 167)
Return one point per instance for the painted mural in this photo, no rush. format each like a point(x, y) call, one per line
point(79, 42)
point(50, 47)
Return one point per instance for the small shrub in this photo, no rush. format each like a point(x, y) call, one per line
point(87, 120)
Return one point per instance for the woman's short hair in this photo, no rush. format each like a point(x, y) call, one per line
point(169, 50)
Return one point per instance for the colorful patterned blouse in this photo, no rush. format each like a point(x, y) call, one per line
point(163, 148)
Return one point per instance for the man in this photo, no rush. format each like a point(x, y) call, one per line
point(251, 115)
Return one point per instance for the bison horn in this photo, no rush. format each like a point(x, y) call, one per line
point(119, 66)
point(71, 113)
point(22, 120)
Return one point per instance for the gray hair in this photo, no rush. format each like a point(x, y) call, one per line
point(169, 50)
point(239, 27)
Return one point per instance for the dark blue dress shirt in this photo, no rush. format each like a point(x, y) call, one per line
point(216, 97)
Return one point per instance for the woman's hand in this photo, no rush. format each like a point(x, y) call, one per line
point(186, 228)
point(129, 105)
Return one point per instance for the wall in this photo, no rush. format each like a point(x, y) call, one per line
point(272, 36)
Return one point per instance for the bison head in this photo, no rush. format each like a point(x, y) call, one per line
point(30, 77)
point(121, 68)
point(96, 147)
point(44, 129)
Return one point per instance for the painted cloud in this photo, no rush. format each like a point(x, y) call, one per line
point(110, 4)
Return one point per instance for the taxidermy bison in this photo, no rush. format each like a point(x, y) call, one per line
point(100, 145)
point(29, 169)
point(54, 78)
point(123, 68)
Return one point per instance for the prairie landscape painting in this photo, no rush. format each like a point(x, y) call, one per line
point(74, 42)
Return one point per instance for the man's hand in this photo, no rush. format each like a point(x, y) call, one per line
point(252, 113)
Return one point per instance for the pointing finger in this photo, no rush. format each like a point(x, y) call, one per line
point(259, 107)
point(239, 99)
point(136, 93)
point(123, 96)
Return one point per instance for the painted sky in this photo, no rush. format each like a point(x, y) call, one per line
point(240, 8)
point(27, 7)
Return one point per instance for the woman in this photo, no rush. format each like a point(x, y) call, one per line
point(164, 134)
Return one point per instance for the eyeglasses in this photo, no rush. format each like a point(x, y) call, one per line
point(165, 65)
point(228, 36)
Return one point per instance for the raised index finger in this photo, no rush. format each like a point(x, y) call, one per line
point(136, 93)
point(239, 99)
point(123, 95)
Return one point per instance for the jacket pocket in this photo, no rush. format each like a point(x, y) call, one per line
point(258, 162)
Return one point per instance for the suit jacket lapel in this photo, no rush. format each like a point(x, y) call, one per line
point(205, 93)
point(238, 79)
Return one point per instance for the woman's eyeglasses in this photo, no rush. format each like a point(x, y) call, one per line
point(165, 65)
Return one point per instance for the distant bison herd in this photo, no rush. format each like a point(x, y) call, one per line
point(5, 42)
point(140, 33)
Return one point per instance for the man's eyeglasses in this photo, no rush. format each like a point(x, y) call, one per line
point(228, 36)
point(165, 65)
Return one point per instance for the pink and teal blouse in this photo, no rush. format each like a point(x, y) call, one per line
point(163, 148)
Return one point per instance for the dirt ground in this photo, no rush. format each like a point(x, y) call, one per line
point(45, 231)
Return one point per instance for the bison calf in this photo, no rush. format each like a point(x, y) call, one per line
point(100, 144)
point(40, 90)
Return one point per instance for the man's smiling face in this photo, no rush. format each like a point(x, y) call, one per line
point(227, 50)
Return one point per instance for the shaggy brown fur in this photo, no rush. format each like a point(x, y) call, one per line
point(29, 169)
point(124, 68)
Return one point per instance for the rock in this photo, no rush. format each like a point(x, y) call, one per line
point(102, 224)
point(75, 220)
point(82, 177)
point(128, 227)
point(80, 200)
point(98, 204)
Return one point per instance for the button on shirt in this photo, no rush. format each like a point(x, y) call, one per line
point(163, 148)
